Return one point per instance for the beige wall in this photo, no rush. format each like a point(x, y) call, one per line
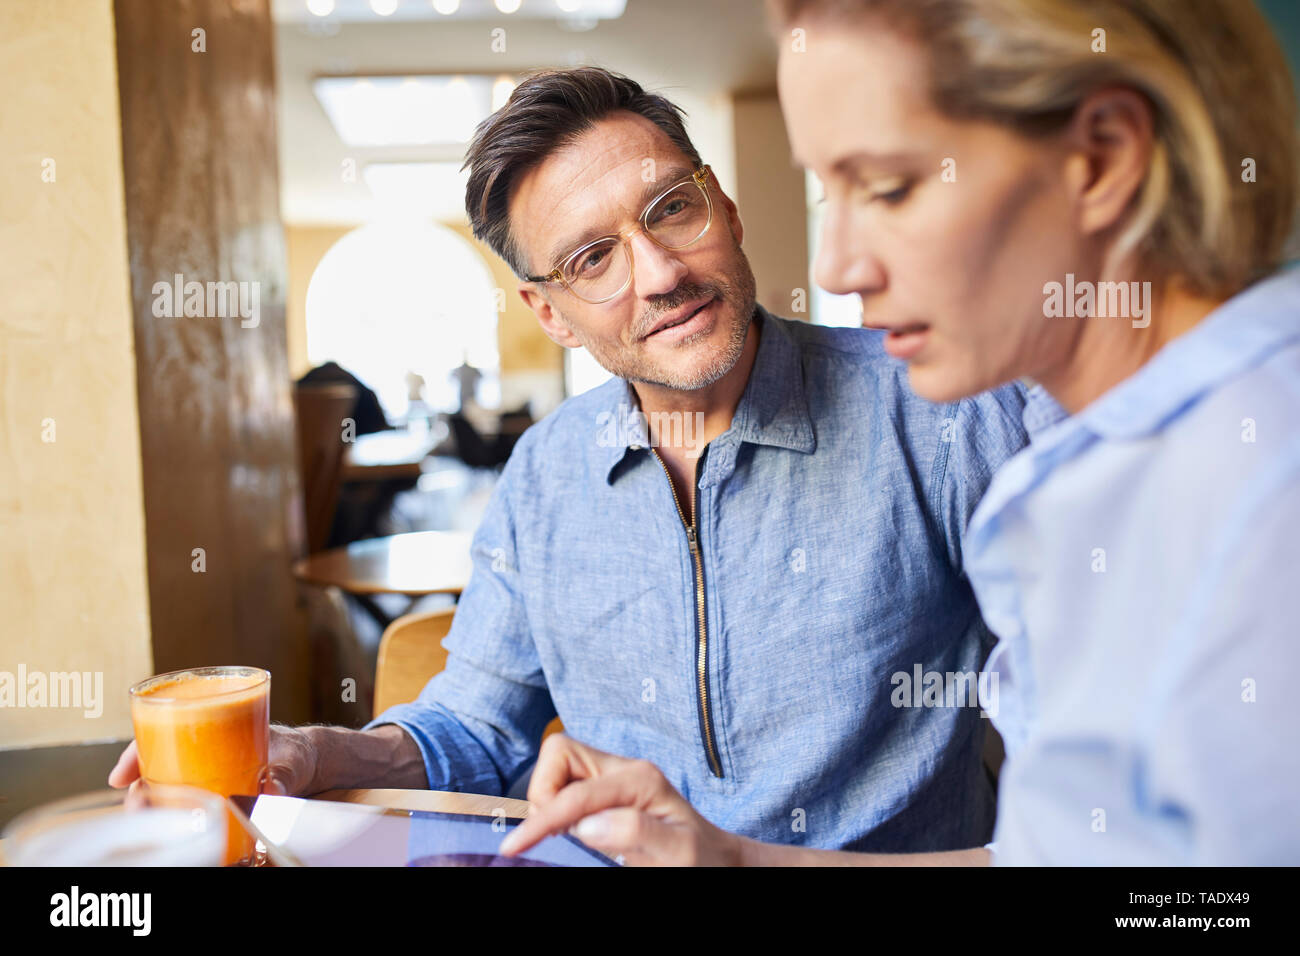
point(72, 565)
point(773, 207)
point(304, 247)
point(525, 350)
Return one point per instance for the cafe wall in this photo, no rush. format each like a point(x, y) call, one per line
point(773, 208)
point(72, 566)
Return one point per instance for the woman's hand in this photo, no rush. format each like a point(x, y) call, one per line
point(623, 808)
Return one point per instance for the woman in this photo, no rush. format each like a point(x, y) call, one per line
point(1095, 198)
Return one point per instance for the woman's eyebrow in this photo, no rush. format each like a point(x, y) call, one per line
point(855, 161)
point(675, 173)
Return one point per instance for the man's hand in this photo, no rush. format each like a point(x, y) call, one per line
point(618, 806)
point(293, 760)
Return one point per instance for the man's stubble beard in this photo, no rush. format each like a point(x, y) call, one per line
point(741, 294)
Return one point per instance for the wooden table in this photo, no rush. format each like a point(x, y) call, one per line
point(437, 800)
point(414, 564)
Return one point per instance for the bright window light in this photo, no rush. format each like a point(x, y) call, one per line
point(826, 307)
point(391, 297)
point(582, 372)
point(426, 190)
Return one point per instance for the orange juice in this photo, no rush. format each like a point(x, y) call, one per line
point(208, 727)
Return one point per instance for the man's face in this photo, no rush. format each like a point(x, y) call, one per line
point(598, 185)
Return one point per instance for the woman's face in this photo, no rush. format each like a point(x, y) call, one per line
point(947, 230)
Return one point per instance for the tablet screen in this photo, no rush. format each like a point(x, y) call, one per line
point(326, 833)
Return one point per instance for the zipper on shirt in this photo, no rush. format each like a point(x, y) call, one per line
point(701, 631)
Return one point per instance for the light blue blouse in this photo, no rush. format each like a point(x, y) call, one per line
point(1140, 563)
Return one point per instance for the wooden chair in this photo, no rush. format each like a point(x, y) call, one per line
point(411, 652)
point(321, 410)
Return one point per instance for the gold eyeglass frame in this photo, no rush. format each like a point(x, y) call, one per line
point(701, 179)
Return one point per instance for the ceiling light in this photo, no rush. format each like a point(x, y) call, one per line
point(501, 91)
point(406, 11)
point(406, 110)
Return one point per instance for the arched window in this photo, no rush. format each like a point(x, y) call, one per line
point(396, 297)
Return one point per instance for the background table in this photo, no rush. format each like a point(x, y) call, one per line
point(384, 456)
point(414, 564)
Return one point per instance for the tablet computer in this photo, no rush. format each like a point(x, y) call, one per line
point(300, 832)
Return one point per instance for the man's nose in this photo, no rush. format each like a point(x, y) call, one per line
point(845, 261)
point(655, 270)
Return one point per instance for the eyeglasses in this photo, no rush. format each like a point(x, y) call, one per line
point(602, 269)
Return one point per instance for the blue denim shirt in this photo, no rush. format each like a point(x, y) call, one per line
point(1139, 563)
point(830, 537)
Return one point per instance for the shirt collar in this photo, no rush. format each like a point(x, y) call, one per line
point(773, 409)
point(1041, 411)
point(1236, 336)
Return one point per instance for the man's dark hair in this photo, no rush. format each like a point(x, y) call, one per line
point(547, 111)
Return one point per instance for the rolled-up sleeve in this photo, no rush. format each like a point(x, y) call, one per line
point(479, 722)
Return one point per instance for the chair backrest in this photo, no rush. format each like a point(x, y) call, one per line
point(411, 652)
point(321, 410)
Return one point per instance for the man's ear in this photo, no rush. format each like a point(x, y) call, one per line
point(732, 214)
point(549, 319)
point(1110, 141)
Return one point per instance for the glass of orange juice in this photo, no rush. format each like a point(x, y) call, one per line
point(206, 727)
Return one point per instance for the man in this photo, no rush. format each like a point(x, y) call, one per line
point(708, 562)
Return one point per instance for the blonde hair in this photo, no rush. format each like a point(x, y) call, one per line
point(1211, 70)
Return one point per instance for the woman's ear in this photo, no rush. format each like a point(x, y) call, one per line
point(1110, 141)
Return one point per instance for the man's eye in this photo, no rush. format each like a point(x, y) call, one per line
point(670, 208)
point(590, 261)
